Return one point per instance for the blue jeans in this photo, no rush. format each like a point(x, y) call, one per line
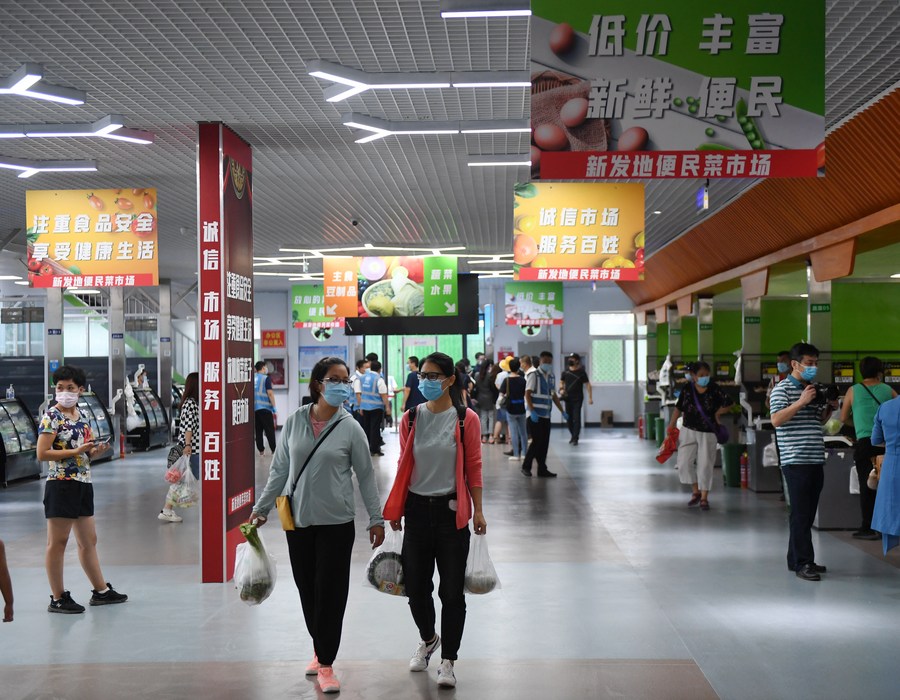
point(518, 431)
point(195, 464)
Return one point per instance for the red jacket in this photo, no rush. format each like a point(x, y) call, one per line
point(468, 474)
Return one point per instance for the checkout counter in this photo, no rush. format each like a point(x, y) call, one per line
point(18, 442)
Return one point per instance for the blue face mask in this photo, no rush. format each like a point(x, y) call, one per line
point(702, 381)
point(809, 373)
point(432, 389)
point(336, 394)
point(783, 368)
point(547, 369)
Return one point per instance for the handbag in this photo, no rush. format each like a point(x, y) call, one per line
point(283, 503)
point(174, 453)
point(503, 399)
point(719, 430)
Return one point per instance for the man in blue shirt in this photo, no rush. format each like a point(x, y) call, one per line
point(264, 405)
point(372, 399)
point(798, 415)
point(411, 394)
point(540, 391)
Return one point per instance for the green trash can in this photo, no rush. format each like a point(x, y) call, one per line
point(731, 463)
point(650, 425)
point(660, 431)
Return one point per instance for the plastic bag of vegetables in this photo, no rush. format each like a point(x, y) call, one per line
point(481, 576)
point(385, 568)
point(254, 568)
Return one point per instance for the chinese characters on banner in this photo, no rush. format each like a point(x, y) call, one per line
point(308, 306)
point(273, 339)
point(534, 303)
point(226, 345)
point(661, 89)
point(391, 286)
point(579, 231)
point(92, 238)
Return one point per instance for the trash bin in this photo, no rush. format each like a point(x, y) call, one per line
point(731, 463)
point(650, 425)
point(660, 431)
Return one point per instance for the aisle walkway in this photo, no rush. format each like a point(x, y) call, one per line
point(612, 588)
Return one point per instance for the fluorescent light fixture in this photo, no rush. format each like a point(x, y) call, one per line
point(896, 276)
point(379, 128)
point(498, 161)
point(27, 81)
point(82, 292)
point(804, 296)
point(112, 126)
point(364, 248)
point(131, 136)
point(657, 212)
point(29, 172)
point(10, 277)
point(33, 167)
point(496, 126)
point(460, 9)
point(491, 79)
point(23, 284)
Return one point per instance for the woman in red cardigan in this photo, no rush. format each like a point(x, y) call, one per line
point(437, 490)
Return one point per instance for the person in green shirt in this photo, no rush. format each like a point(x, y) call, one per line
point(862, 401)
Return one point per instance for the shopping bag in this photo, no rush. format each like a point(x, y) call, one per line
point(854, 481)
point(481, 576)
point(175, 473)
point(254, 568)
point(385, 568)
point(770, 455)
point(186, 493)
point(669, 446)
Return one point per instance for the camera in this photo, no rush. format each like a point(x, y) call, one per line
point(355, 222)
point(825, 393)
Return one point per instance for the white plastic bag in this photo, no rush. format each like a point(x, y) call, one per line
point(254, 568)
point(854, 481)
point(385, 568)
point(770, 455)
point(186, 493)
point(481, 576)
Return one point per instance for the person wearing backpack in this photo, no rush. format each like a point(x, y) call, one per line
point(437, 490)
point(862, 401)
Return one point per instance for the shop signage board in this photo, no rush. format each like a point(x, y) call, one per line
point(273, 339)
point(534, 303)
point(626, 89)
point(820, 308)
point(752, 320)
point(578, 231)
point(224, 171)
point(843, 372)
point(92, 238)
point(394, 286)
point(308, 307)
point(892, 373)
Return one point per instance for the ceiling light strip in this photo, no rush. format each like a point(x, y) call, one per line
point(27, 81)
point(112, 126)
point(461, 9)
point(379, 128)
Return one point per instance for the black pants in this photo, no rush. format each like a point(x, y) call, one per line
point(265, 423)
point(804, 482)
point(320, 561)
point(371, 422)
point(540, 444)
point(573, 408)
point(430, 535)
point(862, 455)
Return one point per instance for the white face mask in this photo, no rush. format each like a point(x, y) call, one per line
point(67, 399)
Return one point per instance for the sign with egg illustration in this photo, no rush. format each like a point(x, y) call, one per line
point(628, 89)
point(582, 231)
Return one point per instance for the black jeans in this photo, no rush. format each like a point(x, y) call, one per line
point(804, 482)
point(862, 455)
point(320, 561)
point(265, 423)
point(431, 536)
point(540, 443)
point(573, 408)
point(371, 422)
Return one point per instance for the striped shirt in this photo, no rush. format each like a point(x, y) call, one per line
point(800, 439)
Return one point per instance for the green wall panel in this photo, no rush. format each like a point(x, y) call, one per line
point(865, 317)
point(727, 336)
point(662, 340)
point(783, 324)
point(690, 346)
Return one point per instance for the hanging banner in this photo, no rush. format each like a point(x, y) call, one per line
point(92, 238)
point(534, 303)
point(308, 305)
point(398, 286)
point(226, 345)
point(273, 339)
point(579, 231)
point(660, 89)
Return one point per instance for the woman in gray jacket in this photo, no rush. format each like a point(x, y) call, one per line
point(323, 506)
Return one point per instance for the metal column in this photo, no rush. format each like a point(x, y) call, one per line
point(53, 344)
point(164, 352)
point(818, 321)
point(705, 329)
point(752, 339)
point(116, 320)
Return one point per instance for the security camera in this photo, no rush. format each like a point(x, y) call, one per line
point(355, 222)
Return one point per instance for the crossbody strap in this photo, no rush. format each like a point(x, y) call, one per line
point(702, 412)
point(310, 455)
point(870, 393)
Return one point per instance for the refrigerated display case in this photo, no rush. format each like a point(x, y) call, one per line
point(153, 427)
point(177, 396)
point(91, 408)
point(18, 442)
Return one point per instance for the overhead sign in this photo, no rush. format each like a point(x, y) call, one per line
point(660, 89)
point(308, 306)
point(273, 339)
point(534, 303)
point(396, 286)
point(92, 238)
point(579, 231)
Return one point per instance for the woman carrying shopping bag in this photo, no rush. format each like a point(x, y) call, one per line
point(321, 448)
point(437, 490)
point(188, 439)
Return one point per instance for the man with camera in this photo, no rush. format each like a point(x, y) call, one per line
point(799, 408)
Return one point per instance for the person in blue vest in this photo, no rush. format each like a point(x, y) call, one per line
point(264, 404)
point(540, 395)
point(372, 399)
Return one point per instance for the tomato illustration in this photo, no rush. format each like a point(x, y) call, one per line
point(34, 265)
point(148, 202)
point(124, 204)
point(137, 192)
point(96, 202)
point(639, 258)
point(136, 226)
point(46, 269)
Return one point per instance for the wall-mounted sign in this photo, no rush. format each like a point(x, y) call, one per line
point(892, 373)
point(579, 231)
point(534, 303)
point(820, 308)
point(92, 238)
point(843, 372)
point(626, 89)
point(273, 339)
point(752, 320)
point(12, 315)
point(308, 307)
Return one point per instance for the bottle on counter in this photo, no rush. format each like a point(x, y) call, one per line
point(10, 392)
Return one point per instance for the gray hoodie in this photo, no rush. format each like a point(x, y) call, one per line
point(324, 494)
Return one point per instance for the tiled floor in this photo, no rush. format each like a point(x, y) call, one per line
point(612, 588)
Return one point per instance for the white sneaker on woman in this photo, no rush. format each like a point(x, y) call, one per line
point(419, 660)
point(446, 677)
point(169, 516)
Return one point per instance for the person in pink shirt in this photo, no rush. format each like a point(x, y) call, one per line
point(437, 490)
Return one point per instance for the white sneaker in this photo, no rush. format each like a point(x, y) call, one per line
point(514, 459)
point(169, 516)
point(446, 678)
point(419, 660)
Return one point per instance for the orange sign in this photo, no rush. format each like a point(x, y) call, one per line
point(341, 287)
point(273, 339)
point(92, 238)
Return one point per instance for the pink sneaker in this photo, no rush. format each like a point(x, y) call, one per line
point(327, 681)
point(313, 668)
